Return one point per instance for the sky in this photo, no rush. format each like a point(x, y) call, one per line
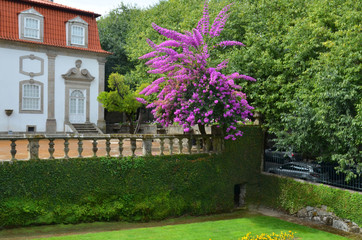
point(104, 6)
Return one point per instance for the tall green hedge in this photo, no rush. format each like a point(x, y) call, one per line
point(150, 188)
point(291, 196)
point(131, 189)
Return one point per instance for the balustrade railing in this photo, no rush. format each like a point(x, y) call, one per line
point(34, 147)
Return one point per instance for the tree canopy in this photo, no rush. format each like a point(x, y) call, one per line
point(305, 55)
point(190, 90)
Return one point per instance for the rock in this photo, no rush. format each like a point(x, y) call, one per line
point(355, 230)
point(309, 208)
point(328, 220)
point(341, 225)
point(302, 213)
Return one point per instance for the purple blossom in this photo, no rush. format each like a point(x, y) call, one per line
point(190, 88)
point(141, 100)
point(230, 43)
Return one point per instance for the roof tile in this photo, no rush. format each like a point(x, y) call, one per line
point(55, 18)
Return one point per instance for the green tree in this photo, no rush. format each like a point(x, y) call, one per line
point(113, 29)
point(305, 55)
point(121, 98)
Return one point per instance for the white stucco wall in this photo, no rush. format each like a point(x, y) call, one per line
point(9, 88)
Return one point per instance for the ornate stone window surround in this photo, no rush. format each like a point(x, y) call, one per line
point(71, 26)
point(31, 57)
point(31, 82)
point(31, 15)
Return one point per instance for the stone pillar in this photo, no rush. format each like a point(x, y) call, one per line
point(33, 149)
point(101, 122)
point(147, 147)
point(51, 124)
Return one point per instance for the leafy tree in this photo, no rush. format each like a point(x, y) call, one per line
point(306, 56)
point(121, 98)
point(113, 30)
point(193, 92)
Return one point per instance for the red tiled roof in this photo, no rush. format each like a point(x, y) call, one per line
point(55, 18)
point(61, 6)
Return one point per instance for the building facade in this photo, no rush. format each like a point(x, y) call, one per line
point(51, 67)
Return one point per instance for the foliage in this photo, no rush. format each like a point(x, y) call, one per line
point(282, 236)
point(129, 189)
point(291, 196)
point(191, 91)
point(120, 98)
point(305, 55)
point(326, 121)
point(113, 29)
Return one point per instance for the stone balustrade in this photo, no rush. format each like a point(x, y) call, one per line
point(126, 144)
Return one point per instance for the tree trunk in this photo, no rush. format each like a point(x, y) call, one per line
point(202, 129)
point(130, 121)
point(138, 122)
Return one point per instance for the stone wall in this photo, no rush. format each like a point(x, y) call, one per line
point(321, 215)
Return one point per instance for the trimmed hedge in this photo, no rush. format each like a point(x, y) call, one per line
point(130, 189)
point(151, 188)
point(291, 196)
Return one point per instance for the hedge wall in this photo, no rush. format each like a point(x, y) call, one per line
point(131, 189)
point(147, 188)
point(291, 196)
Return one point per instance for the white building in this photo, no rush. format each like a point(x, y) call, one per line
point(51, 67)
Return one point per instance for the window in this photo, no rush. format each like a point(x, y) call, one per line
point(77, 36)
point(31, 28)
point(31, 25)
point(31, 96)
point(77, 32)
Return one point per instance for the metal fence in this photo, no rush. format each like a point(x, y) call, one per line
point(274, 161)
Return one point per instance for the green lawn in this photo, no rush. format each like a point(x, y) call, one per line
point(215, 230)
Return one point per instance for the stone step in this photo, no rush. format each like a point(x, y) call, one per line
point(86, 128)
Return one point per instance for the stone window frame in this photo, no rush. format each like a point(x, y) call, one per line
point(31, 81)
point(78, 22)
point(85, 88)
point(33, 14)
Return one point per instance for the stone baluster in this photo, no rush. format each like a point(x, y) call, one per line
point(180, 145)
point(80, 147)
point(108, 147)
point(147, 146)
point(120, 147)
point(33, 148)
point(171, 145)
point(95, 149)
point(189, 144)
point(13, 149)
point(51, 148)
point(162, 146)
point(66, 148)
point(198, 144)
point(133, 146)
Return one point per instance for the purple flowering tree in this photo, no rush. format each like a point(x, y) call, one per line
point(190, 92)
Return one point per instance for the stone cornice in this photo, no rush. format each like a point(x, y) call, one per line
point(25, 46)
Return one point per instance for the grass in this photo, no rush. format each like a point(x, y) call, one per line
point(230, 229)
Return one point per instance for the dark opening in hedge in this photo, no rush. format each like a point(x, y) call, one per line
point(239, 195)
